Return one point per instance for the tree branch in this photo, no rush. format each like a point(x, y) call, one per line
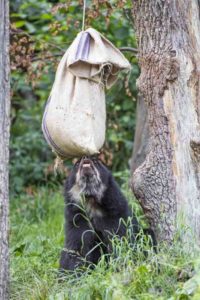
point(37, 58)
point(129, 49)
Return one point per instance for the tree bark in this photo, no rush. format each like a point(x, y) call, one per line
point(167, 184)
point(141, 138)
point(4, 145)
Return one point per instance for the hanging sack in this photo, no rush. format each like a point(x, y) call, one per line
point(74, 121)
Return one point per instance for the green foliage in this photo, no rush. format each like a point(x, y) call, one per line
point(37, 239)
point(41, 31)
point(31, 160)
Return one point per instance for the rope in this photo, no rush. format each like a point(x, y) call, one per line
point(84, 8)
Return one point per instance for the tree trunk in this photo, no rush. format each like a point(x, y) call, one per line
point(141, 138)
point(167, 184)
point(4, 145)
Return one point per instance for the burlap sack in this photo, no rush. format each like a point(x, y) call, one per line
point(75, 115)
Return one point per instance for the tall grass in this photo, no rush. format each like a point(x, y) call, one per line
point(37, 239)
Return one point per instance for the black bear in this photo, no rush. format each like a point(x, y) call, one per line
point(95, 211)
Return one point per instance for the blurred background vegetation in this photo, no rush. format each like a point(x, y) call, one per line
point(41, 31)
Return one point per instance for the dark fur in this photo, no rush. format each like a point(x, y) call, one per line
point(88, 234)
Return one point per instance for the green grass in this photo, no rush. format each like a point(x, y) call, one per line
point(37, 239)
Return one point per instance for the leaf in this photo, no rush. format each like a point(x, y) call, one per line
point(46, 16)
point(19, 24)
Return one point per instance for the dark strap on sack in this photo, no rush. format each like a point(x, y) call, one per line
point(83, 48)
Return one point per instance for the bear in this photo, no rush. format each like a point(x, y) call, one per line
point(95, 210)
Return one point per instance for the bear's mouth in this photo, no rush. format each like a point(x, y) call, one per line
point(86, 164)
point(86, 168)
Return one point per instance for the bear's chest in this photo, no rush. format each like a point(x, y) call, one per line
point(93, 209)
